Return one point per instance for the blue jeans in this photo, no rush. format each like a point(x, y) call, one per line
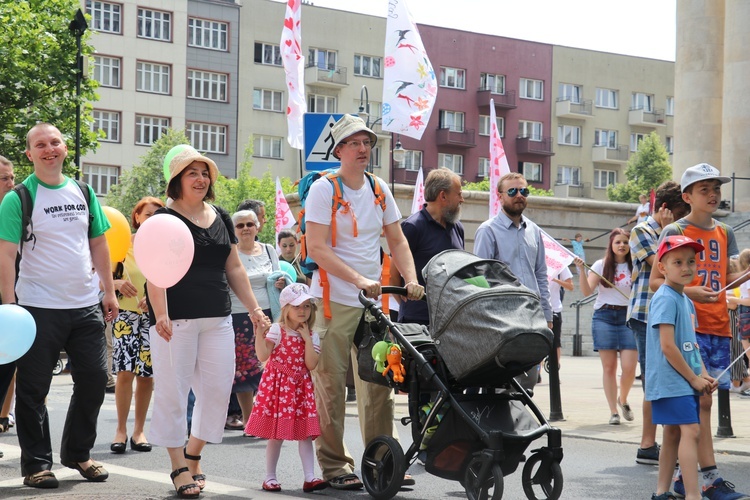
point(639, 330)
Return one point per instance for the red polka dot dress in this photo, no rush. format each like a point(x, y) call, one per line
point(285, 404)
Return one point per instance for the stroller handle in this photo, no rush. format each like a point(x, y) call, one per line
point(392, 290)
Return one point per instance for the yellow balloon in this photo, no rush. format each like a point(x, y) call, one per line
point(118, 236)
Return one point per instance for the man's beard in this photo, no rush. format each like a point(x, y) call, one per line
point(514, 210)
point(451, 215)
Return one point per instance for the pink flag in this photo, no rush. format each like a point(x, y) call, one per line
point(409, 83)
point(556, 256)
point(294, 68)
point(498, 161)
point(284, 217)
point(418, 201)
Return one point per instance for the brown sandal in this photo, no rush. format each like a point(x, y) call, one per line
point(43, 479)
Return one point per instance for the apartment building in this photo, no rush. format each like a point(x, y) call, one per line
point(569, 118)
point(161, 64)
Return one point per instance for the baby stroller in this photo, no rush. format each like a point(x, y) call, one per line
point(486, 329)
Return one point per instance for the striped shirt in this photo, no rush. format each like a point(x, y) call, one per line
point(644, 241)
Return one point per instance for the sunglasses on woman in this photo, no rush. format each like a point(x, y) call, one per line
point(242, 225)
point(512, 192)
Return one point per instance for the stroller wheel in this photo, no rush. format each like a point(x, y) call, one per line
point(489, 488)
point(57, 370)
point(542, 477)
point(383, 467)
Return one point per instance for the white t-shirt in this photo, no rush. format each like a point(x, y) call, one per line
point(745, 290)
point(274, 335)
point(554, 290)
point(622, 282)
point(361, 253)
point(646, 207)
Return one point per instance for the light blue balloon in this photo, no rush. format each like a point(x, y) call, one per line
point(288, 268)
point(17, 332)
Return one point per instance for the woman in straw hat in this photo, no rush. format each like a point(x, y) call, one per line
point(192, 336)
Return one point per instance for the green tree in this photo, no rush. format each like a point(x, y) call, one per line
point(646, 170)
point(231, 192)
point(484, 185)
point(38, 77)
point(147, 177)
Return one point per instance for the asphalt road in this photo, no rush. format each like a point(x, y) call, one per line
point(593, 469)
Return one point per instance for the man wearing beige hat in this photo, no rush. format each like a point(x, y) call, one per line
point(55, 286)
point(353, 264)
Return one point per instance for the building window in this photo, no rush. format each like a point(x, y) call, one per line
point(484, 167)
point(322, 58)
point(670, 144)
point(452, 162)
point(569, 135)
point(570, 92)
point(267, 53)
point(494, 83)
point(267, 147)
point(367, 65)
point(321, 103)
point(605, 138)
point(148, 129)
point(635, 140)
point(107, 71)
point(207, 137)
point(642, 101)
point(531, 130)
point(532, 171)
point(100, 177)
point(209, 34)
point(207, 85)
point(569, 175)
point(669, 108)
point(109, 123)
point(105, 16)
point(375, 156)
point(453, 120)
point(155, 24)
point(606, 98)
point(603, 178)
point(453, 78)
point(412, 160)
point(152, 77)
point(484, 125)
point(267, 100)
point(532, 89)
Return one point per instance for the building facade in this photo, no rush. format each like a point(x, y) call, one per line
point(569, 118)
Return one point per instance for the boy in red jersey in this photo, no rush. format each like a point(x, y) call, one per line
point(701, 189)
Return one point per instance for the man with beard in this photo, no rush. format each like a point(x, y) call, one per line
point(514, 239)
point(430, 231)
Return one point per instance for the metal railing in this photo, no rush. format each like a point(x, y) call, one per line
point(577, 336)
point(735, 178)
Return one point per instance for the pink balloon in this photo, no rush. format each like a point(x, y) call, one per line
point(163, 249)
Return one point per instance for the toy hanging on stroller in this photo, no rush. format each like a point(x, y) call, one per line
point(486, 329)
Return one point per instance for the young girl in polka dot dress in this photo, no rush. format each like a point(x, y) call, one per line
point(285, 408)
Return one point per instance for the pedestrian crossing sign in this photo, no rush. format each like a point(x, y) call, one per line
point(319, 141)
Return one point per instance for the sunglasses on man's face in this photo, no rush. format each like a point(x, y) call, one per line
point(242, 225)
point(512, 192)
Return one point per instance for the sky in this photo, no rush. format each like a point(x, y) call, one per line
point(644, 28)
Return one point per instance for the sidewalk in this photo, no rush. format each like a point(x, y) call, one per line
point(586, 414)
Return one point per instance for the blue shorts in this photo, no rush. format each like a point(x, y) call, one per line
point(610, 331)
point(679, 410)
point(716, 355)
point(744, 322)
point(639, 331)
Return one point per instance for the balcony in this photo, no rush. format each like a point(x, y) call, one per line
point(456, 139)
point(565, 108)
point(642, 118)
point(502, 101)
point(326, 77)
point(582, 190)
point(534, 145)
point(605, 154)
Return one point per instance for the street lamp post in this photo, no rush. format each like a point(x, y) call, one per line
point(78, 27)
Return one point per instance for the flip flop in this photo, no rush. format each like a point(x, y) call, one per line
point(340, 482)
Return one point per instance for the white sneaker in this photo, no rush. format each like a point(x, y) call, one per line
point(614, 419)
point(626, 411)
